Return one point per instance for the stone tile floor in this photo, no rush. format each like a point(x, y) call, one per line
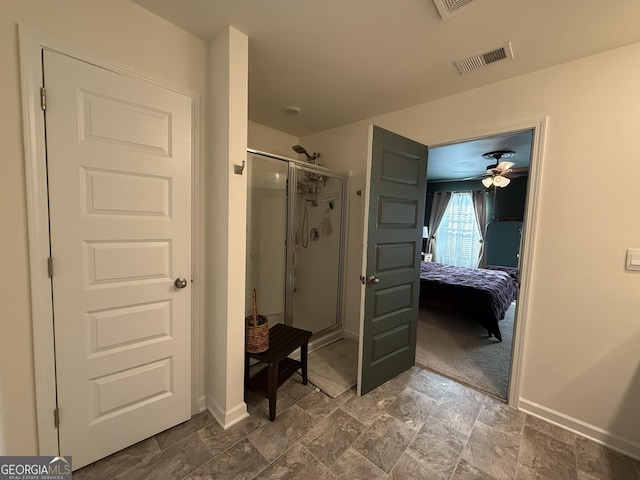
point(416, 426)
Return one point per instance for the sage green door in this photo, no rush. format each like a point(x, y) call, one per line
point(397, 191)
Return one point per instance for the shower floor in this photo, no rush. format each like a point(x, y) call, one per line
point(334, 368)
point(309, 320)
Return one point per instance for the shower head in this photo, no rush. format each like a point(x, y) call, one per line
point(301, 150)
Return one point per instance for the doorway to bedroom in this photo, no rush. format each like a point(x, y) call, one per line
point(470, 275)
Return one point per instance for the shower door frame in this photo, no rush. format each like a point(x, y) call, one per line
point(296, 170)
point(296, 167)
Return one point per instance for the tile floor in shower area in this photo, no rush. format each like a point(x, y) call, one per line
point(417, 426)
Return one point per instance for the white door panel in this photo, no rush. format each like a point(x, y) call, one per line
point(119, 169)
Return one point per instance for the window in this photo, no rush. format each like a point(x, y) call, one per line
point(458, 239)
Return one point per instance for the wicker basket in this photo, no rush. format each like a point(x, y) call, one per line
point(257, 330)
point(257, 336)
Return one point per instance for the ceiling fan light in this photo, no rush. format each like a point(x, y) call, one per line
point(505, 165)
point(487, 182)
point(500, 181)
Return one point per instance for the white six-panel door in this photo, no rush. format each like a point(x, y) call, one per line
point(119, 167)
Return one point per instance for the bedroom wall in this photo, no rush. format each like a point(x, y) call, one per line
point(117, 29)
point(581, 367)
point(509, 201)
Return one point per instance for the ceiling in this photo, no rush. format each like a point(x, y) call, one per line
point(346, 60)
point(463, 161)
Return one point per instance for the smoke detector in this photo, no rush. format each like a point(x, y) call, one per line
point(480, 60)
point(446, 8)
point(292, 110)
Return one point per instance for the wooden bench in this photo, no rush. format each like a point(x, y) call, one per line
point(283, 340)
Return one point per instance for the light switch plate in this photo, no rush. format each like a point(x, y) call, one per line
point(633, 259)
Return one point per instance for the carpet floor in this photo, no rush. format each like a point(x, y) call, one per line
point(457, 347)
point(334, 368)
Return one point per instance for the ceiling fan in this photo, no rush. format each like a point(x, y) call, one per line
point(500, 174)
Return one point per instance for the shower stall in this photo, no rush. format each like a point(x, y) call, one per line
point(295, 243)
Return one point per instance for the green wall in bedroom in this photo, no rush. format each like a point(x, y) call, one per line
point(510, 201)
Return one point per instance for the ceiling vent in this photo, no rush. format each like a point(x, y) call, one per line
point(483, 59)
point(447, 7)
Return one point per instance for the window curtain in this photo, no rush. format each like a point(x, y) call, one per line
point(458, 238)
point(479, 206)
point(438, 207)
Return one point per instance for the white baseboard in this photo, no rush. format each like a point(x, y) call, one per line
point(597, 434)
point(351, 335)
point(229, 417)
point(200, 405)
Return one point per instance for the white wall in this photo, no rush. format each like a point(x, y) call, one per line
point(226, 206)
point(582, 343)
point(116, 29)
point(270, 140)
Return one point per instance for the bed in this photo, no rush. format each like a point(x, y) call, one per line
point(484, 294)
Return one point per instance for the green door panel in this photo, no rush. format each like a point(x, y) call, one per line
point(393, 256)
point(397, 191)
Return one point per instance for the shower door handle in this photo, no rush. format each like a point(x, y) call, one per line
point(373, 280)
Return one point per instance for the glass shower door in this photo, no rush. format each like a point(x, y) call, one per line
point(315, 260)
point(266, 236)
point(295, 224)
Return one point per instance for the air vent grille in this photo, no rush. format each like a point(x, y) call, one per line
point(494, 56)
point(483, 59)
point(447, 7)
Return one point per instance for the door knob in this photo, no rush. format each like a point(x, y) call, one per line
point(373, 279)
point(180, 282)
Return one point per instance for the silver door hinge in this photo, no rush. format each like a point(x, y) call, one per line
point(56, 418)
point(43, 98)
point(50, 267)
